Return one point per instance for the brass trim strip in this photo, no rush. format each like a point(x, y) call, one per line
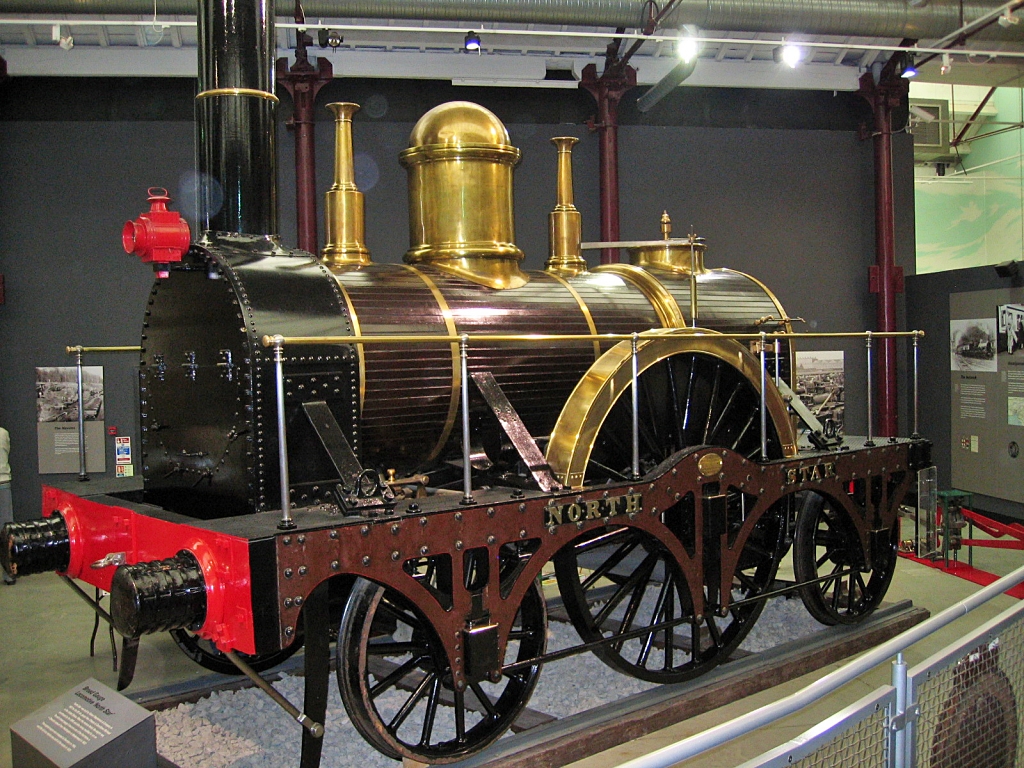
point(572, 439)
point(583, 308)
point(237, 92)
point(453, 331)
point(360, 351)
point(83, 350)
point(664, 304)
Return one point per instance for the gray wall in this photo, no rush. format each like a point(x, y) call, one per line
point(778, 182)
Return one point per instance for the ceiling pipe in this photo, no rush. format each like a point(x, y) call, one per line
point(863, 18)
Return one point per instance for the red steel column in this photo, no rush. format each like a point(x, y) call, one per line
point(886, 278)
point(303, 81)
point(607, 91)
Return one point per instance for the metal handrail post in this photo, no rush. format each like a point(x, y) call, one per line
point(764, 399)
point(82, 473)
point(778, 366)
point(282, 438)
point(915, 434)
point(871, 407)
point(898, 759)
point(635, 371)
point(467, 467)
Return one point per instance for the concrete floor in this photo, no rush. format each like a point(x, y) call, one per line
point(44, 651)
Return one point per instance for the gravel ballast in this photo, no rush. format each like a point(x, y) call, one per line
point(245, 729)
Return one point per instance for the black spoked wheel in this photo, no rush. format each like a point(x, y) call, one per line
point(624, 583)
point(397, 686)
point(686, 400)
point(826, 547)
point(205, 654)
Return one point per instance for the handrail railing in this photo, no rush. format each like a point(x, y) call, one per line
point(770, 713)
point(78, 350)
point(277, 342)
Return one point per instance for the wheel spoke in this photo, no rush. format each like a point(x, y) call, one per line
point(428, 717)
point(484, 699)
point(628, 586)
point(617, 557)
point(394, 677)
point(410, 704)
point(711, 401)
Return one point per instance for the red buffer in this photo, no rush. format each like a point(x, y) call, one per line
point(158, 236)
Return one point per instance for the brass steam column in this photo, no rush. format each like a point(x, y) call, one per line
point(343, 214)
point(565, 225)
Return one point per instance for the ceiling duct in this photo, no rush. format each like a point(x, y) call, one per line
point(862, 18)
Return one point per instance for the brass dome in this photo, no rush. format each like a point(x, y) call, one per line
point(459, 163)
point(459, 123)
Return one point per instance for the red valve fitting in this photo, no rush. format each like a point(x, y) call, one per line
point(158, 236)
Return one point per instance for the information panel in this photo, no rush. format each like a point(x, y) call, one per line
point(986, 353)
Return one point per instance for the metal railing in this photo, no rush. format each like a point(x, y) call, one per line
point(902, 728)
point(78, 351)
point(278, 342)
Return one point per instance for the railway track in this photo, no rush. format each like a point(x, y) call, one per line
point(544, 739)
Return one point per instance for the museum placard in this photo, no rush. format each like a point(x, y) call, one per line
point(986, 352)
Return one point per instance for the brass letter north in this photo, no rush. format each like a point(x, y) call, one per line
point(594, 509)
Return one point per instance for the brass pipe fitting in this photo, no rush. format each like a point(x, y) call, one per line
point(343, 205)
point(565, 225)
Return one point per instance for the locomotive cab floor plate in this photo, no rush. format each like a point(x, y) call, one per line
point(585, 734)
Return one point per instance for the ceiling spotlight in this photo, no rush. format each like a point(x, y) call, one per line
point(329, 37)
point(1008, 19)
point(688, 48)
point(472, 42)
point(909, 70)
point(947, 64)
point(788, 54)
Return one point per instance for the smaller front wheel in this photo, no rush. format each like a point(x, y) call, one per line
point(396, 681)
point(827, 551)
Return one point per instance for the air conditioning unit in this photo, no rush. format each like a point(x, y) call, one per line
point(930, 125)
point(938, 112)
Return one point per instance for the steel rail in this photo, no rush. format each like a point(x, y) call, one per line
point(725, 732)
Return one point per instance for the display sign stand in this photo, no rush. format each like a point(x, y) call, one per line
point(90, 726)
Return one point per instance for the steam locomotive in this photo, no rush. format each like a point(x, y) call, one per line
point(396, 452)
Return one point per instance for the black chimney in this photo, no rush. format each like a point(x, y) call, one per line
point(235, 122)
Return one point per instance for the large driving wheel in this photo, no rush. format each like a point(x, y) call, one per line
point(623, 583)
point(826, 547)
point(396, 681)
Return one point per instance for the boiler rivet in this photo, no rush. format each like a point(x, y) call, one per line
point(287, 602)
point(334, 534)
point(335, 565)
point(423, 521)
point(303, 570)
point(288, 573)
point(491, 539)
point(522, 507)
point(365, 530)
point(395, 529)
point(287, 540)
point(395, 555)
point(289, 631)
point(302, 538)
point(458, 545)
point(490, 511)
point(424, 549)
point(298, 600)
point(366, 559)
point(458, 516)
point(522, 533)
